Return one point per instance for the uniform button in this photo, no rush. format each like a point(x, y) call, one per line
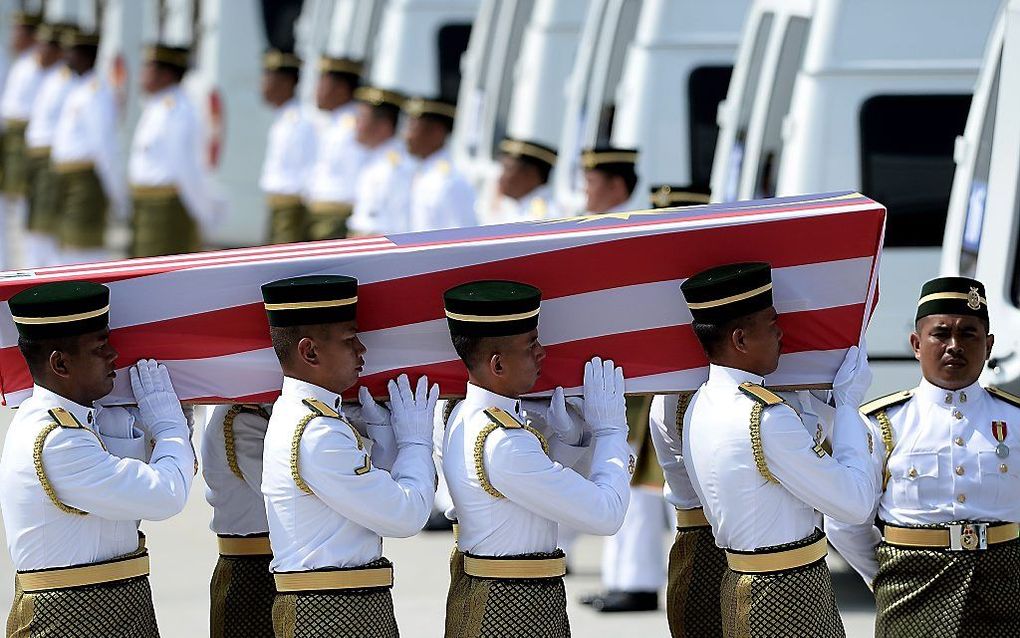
point(913, 472)
point(89, 417)
point(1003, 468)
point(961, 498)
point(949, 398)
point(957, 414)
point(963, 397)
point(958, 440)
point(959, 470)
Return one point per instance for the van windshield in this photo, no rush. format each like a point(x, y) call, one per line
point(907, 161)
point(977, 192)
point(452, 42)
point(706, 87)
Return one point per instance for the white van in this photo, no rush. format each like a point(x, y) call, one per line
point(982, 238)
point(665, 99)
point(858, 94)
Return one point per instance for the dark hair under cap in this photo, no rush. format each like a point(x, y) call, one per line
point(492, 308)
point(728, 292)
point(952, 296)
point(310, 299)
point(61, 309)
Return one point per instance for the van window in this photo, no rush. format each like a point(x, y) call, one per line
point(978, 188)
point(521, 15)
point(761, 41)
point(452, 41)
point(706, 87)
point(907, 161)
point(791, 54)
point(623, 34)
point(278, 18)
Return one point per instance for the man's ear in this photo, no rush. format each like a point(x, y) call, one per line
point(915, 345)
point(496, 364)
point(989, 343)
point(59, 364)
point(307, 352)
point(738, 339)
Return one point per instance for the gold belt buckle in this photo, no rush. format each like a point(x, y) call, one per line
point(968, 537)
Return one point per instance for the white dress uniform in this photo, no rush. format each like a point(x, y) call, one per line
point(290, 151)
point(339, 159)
point(943, 467)
point(91, 472)
point(233, 474)
point(382, 204)
point(440, 196)
point(539, 492)
point(350, 503)
point(537, 205)
point(41, 248)
point(166, 151)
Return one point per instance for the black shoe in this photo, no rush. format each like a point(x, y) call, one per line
point(438, 522)
point(626, 601)
point(588, 599)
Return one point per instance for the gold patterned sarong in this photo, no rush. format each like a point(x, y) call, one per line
point(241, 593)
point(696, 569)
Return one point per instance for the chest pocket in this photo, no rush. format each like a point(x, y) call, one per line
point(1000, 481)
point(914, 479)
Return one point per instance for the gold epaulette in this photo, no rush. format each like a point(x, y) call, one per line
point(498, 418)
point(889, 400)
point(64, 418)
point(760, 394)
point(448, 410)
point(1002, 395)
point(321, 409)
point(228, 433)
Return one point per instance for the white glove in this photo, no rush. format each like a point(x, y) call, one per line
point(412, 412)
point(368, 413)
point(566, 424)
point(605, 409)
point(157, 403)
point(853, 378)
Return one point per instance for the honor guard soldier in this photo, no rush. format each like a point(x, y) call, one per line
point(85, 158)
point(668, 196)
point(19, 93)
point(524, 193)
point(381, 205)
point(328, 501)
point(76, 477)
point(609, 178)
point(242, 588)
point(759, 472)
point(440, 196)
point(41, 239)
point(173, 200)
point(290, 151)
point(944, 559)
point(510, 496)
point(333, 182)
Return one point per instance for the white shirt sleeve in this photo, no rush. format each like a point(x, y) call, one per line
point(196, 192)
point(842, 486)
point(458, 204)
point(669, 450)
point(249, 443)
point(394, 504)
point(103, 142)
point(87, 477)
point(518, 467)
point(116, 427)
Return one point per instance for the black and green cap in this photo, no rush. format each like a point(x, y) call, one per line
point(177, 57)
point(668, 195)
point(609, 159)
point(529, 151)
point(310, 299)
point(434, 107)
point(492, 308)
point(728, 292)
point(61, 309)
point(280, 60)
point(952, 296)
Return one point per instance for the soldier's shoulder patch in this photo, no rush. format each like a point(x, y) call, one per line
point(889, 400)
point(539, 208)
point(760, 394)
point(1002, 395)
point(321, 408)
point(168, 102)
point(64, 418)
point(393, 157)
point(347, 122)
point(503, 419)
point(443, 167)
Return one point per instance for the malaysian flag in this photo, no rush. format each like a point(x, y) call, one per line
point(610, 288)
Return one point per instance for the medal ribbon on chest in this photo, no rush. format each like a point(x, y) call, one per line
point(999, 432)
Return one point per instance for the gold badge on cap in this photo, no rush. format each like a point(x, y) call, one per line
point(974, 299)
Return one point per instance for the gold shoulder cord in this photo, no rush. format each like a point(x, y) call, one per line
point(40, 472)
point(483, 478)
point(228, 440)
point(448, 410)
point(295, 446)
point(682, 401)
point(756, 446)
point(887, 440)
point(354, 431)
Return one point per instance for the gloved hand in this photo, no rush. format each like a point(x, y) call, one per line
point(853, 378)
point(157, 402)
point(604, 407)
point(412, 411)
point(566, 423)
point(367, 412)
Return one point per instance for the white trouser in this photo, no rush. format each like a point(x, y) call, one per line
point(634, 559)
point(12, 220)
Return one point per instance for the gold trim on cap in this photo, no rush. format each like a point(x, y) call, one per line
point(493, 318)
point(518, 147)
point(339, 65)
point(252, 546)
point(592, 159)
point(704, 305)
point(956, 296)
point(514, 568)
point(777, 561)
point(308, 305)
point(334, 579)
point(84, 575)
point(376, 96)
point(274, 60)
point(80, 316)
point(161, 54)
point(416, 107)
